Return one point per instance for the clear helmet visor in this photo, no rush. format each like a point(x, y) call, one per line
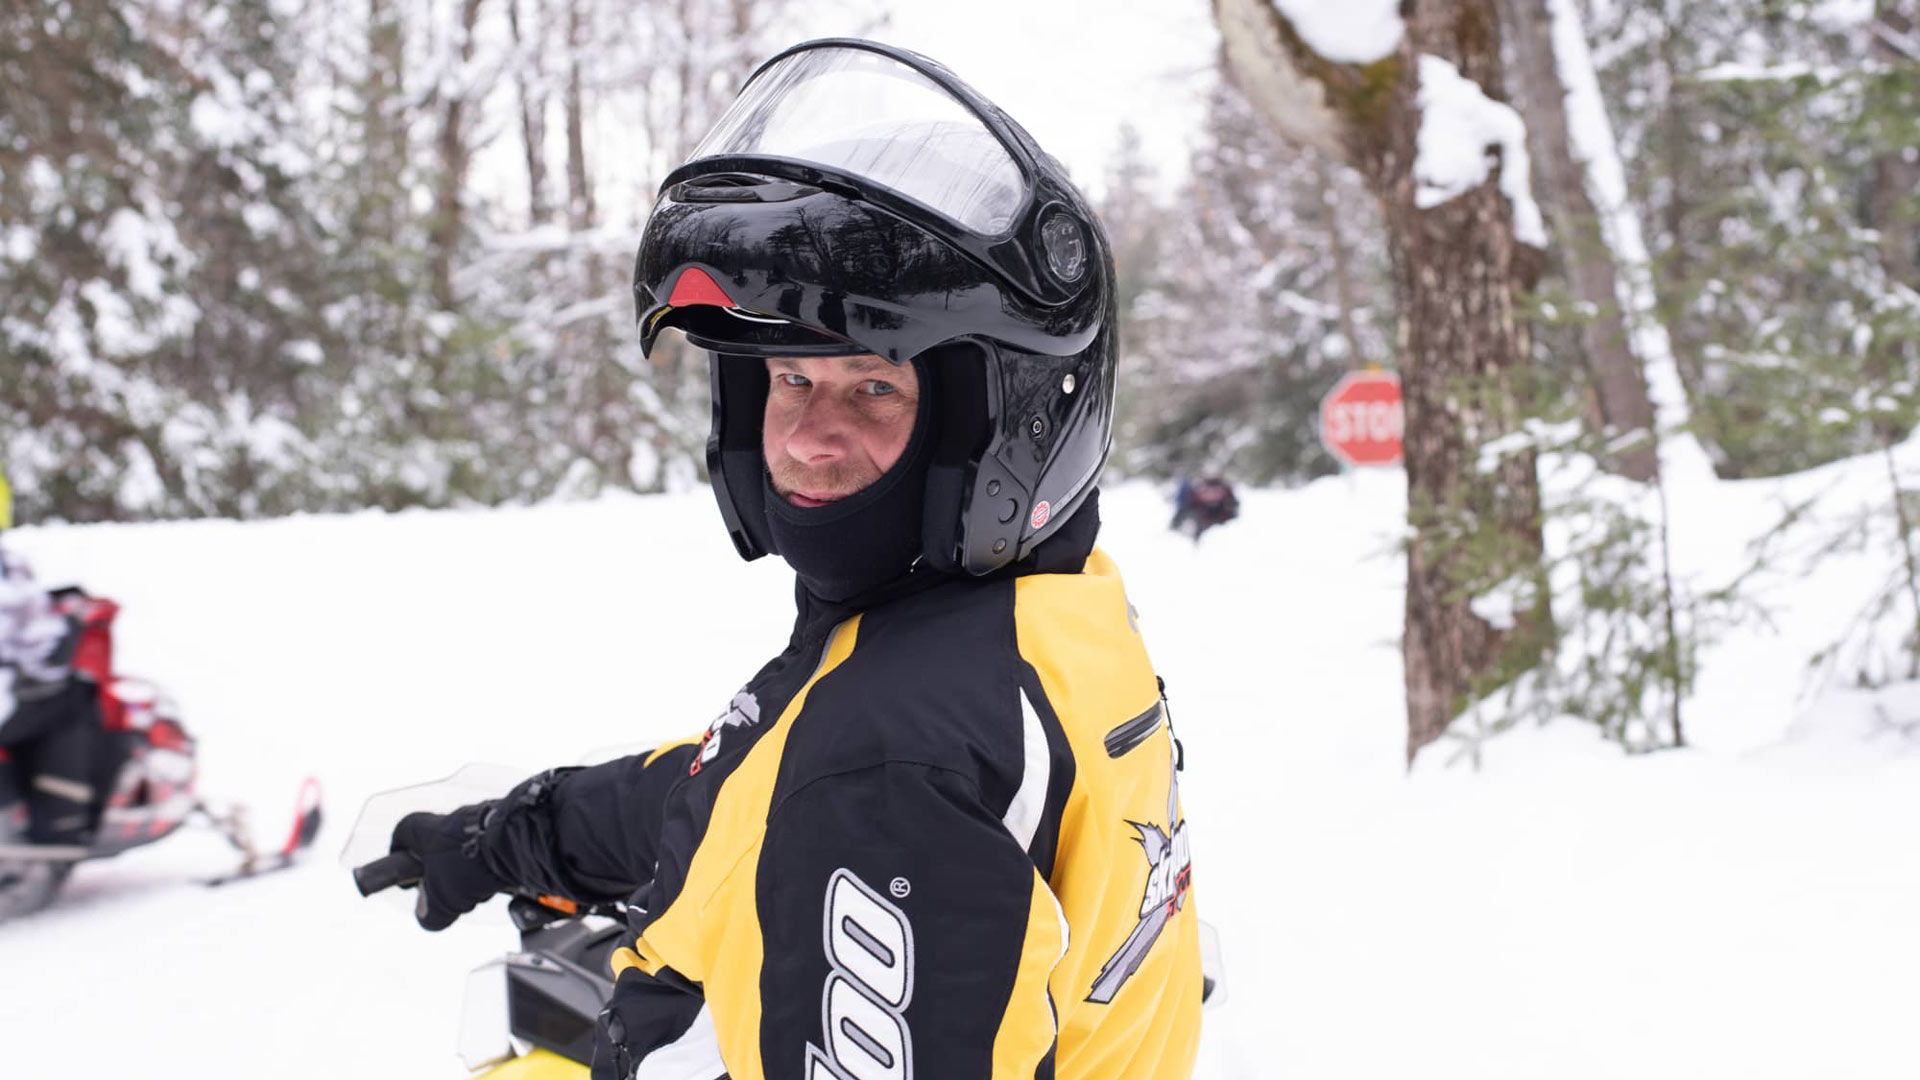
point(870, 116)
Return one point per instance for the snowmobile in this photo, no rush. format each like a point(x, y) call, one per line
point(146, 766)
point(530, 1015)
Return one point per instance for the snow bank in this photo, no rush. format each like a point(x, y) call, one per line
point(1743, 909)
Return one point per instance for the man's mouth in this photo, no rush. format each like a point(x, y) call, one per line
point(807, 500)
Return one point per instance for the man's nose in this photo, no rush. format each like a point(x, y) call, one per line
point(820, 433)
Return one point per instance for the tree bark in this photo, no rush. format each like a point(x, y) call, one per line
point(1457, 270)
point(531, 80)
point(580, 208)
point(1615, 373)
point(385, 132)
point(1896, 179)
point(1675, 126)
point(449, 219)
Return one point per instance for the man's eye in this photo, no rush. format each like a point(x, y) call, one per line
point(788, 378)
point(880, 389)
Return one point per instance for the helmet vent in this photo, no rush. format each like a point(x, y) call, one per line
point(739, 188)
point(1066, 247)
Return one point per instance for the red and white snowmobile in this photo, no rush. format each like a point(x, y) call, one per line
point(146, 767)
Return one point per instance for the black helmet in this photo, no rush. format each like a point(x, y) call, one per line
point(859, 198)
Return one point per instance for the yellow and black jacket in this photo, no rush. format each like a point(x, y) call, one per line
point(940, 837)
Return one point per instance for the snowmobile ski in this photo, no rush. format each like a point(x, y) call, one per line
point(253, 861)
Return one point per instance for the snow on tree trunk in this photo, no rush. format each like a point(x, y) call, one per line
point(1592, 143)
point(1588, 262)
point(1457, 269)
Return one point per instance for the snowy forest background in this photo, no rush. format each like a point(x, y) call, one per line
point(273, 257)
point(260, 258)
point(248, 267)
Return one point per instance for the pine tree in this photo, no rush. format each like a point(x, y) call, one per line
point(1755, 131)
point(159, 331)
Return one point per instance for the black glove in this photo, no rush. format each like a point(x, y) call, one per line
point(454, 877)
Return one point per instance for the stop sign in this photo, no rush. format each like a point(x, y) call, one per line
point(1361, 419)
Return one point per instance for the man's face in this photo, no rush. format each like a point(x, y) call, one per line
point(835, 424)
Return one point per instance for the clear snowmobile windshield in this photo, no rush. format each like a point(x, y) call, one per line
point(870, 116)
point(372, 834)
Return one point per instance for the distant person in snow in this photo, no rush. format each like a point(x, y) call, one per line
point(940, 833)
point(1182, 500)
point(49, 719)
point(1200, 506)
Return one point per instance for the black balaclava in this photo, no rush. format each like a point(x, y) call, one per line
point(854, 545)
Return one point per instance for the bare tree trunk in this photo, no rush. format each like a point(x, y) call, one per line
point(584, 347)
point(580, 209)
point(449, 219)
point(385, 127)
point(1896, 177)
point(1457, 269)
point(1613, 370)
point(747, 15)
point(1342, 271)
point(1893, 184)
point(531, 79)
point(1674, 125)
point(684, 78)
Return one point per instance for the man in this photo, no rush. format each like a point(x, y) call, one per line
point(48, 718)
point(940, 833)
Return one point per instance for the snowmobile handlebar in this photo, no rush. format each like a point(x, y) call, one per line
point(400, 868)
point(529, 911)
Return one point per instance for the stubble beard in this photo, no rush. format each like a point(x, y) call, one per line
point(839, 480)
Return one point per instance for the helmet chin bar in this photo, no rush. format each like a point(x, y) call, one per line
point(1043, 459)
point(735, 458)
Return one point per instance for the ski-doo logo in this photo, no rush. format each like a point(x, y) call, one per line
point(743, 711)
point(869, 942)
point(1169, 879)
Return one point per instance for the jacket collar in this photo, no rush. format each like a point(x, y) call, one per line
point(1065, 552)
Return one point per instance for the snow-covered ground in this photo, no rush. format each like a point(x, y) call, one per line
point(1749, 908)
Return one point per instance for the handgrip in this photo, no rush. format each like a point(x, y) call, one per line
point(399, 868)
